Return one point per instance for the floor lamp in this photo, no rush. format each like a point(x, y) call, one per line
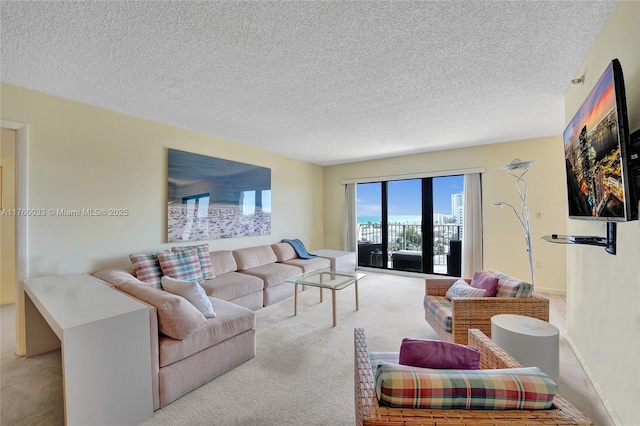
point(518, 169)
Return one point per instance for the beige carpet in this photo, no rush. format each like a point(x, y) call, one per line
point(302, 374)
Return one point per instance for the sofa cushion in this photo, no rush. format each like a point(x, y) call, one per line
point(192, 291)
point(284, 251)
point(440, 309)
point(526, 388)
point(183, 265)
point(308, 265)
point(177, 318)
point(273, 274)
point(231, 320)
point(461, 289)
point(116, 276)
point(438, 354)
point(203, 255)
point(232, 285)
point(252, 257)
point(223, 262)
point(487, 281)
point(509, 286)
point(147, 268)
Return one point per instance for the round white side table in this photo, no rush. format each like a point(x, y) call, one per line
point(531, 341)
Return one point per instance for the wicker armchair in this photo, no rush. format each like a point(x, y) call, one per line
point(476, 312)
point(370, 413)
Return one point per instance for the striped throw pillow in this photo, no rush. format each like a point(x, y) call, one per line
point(146, 267)
point(182, 265)
point(462, 289)
point(526, 388)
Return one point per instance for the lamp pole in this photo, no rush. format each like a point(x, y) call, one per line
point(518, 169)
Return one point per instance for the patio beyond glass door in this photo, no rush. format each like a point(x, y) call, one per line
point(404, 224)
point(411, 225)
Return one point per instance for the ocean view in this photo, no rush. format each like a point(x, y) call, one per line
point(407, 219)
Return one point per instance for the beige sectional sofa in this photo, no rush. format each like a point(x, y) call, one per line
point(187, 349)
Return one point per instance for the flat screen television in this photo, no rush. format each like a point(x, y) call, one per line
point(596, 148)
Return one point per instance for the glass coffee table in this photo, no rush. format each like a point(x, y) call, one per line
point(326, 278)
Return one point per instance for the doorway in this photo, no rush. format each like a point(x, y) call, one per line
point(21, 264)
point(8, 225)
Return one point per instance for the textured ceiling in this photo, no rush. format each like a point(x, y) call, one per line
point(321, 81)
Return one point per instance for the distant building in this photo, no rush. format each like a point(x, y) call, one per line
point(457, 207)
point(439, 218)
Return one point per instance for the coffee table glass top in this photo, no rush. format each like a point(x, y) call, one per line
point(326, 278)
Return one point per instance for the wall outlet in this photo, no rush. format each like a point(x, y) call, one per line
point(539, 264)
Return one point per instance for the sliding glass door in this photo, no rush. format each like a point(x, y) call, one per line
point(396, 218)
point(404, 224)
point(448, 209)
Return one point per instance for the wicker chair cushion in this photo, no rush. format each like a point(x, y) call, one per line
point(438, 354)
point(402, 386)
point(509, 286)
point(440, 309)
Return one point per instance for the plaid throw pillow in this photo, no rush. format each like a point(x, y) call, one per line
point(183, 265)
point(525, 388)
point(147, 268)
point(377, 357)
point(205, 259)
point(509, 286)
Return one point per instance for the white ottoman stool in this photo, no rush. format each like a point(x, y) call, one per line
point(531, 341)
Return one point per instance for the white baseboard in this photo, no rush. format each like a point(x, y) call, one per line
point(551, 291)
point(587, 371)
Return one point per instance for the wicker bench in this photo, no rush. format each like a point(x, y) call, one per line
point(476, 312)
point(370, 413)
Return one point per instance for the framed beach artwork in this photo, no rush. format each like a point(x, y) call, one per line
point(211, 198)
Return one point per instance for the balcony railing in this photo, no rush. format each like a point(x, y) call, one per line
point(402, 236)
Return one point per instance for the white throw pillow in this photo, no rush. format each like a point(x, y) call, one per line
point(192, 291)
point(461, 289)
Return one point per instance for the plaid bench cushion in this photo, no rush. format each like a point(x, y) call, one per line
point(440, 309)
point(402, 386)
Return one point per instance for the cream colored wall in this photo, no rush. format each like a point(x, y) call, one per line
point(8, 221)
point(603, 291)
point(504, 247)
point(85, 157)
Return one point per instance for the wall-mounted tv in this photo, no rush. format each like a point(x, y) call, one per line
point(596, 147)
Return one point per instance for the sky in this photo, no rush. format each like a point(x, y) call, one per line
point(600, 101)
point(405, 196)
